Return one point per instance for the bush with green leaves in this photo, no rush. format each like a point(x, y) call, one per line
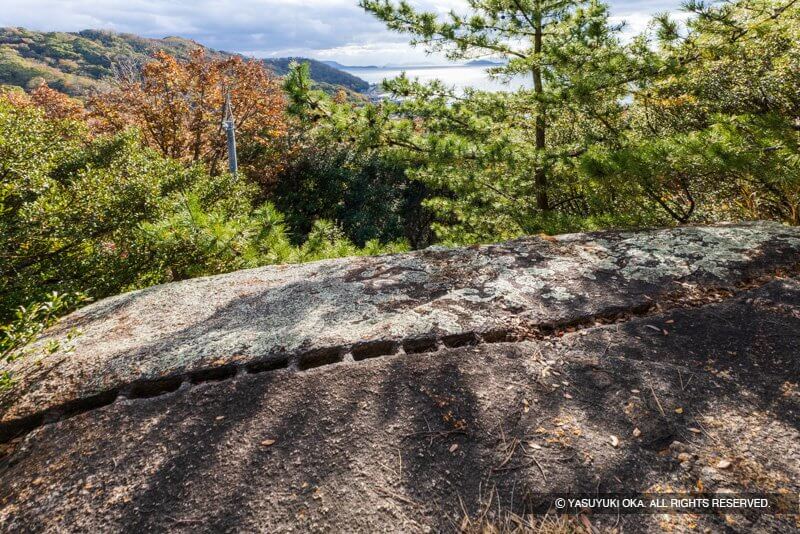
point(365, 192)
point(716, 135)
point(105, 215)
point(28, 322)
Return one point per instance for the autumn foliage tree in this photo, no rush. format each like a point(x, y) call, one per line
point(178, 106)
point(55, 104)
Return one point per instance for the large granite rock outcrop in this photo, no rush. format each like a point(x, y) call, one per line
point(392, 393)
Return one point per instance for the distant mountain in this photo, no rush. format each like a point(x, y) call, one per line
point(321, 72)
point(484, 63)
point(78, 63)
point(337, 65)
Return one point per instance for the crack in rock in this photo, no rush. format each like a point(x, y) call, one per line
point(321, 358)
point(300, 317)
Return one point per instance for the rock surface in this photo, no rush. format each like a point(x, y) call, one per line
point(379, 394)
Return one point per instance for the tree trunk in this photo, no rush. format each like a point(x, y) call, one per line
point(539, 176)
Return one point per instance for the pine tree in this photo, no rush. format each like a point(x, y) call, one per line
point(511, 155)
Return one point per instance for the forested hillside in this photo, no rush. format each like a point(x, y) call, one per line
point(76, 63)
point(320, 72)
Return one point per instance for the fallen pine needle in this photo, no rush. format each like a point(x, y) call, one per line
point(658, 402)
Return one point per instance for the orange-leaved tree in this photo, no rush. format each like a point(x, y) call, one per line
point(56, 105)
point(178, 105)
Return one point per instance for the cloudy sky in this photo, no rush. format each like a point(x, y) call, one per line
point(323, 29)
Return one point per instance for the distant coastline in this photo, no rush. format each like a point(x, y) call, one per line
point(458, 76)
point(475, 63)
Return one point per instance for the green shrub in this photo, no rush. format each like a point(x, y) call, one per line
point(106, 215)
point(28, 322)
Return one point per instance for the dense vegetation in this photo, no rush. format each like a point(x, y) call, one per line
point(79, 63)
point(84, 213)
point(688, 123)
